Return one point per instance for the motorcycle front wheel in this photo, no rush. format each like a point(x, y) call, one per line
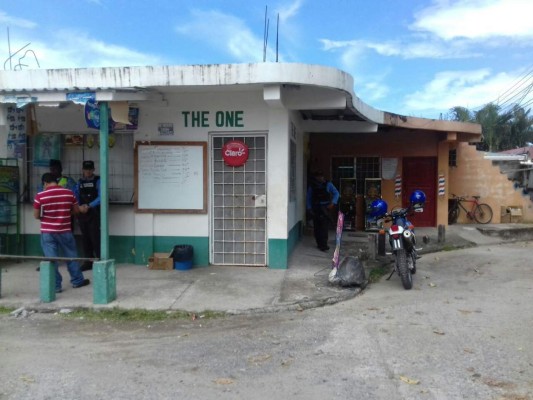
point(403, 269)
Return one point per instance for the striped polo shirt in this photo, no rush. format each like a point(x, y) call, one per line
point(55, 204)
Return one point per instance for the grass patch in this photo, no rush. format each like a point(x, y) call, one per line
point(117, 314)
point(448, 248)
point(5, 310)
point(377, 272)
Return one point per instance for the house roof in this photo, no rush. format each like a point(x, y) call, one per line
point(527, 150)
point(324, 96)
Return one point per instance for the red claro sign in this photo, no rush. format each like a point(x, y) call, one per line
point(235, 153)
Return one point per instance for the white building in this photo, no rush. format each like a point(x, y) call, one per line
point(167, 178)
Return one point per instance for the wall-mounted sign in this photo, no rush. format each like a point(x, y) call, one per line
point(235, 153)
point(165, 129)
point(92, 114)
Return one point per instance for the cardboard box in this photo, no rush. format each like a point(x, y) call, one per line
point(161, 261)
point(511, 214)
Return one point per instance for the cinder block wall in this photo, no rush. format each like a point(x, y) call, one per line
point(476, 176)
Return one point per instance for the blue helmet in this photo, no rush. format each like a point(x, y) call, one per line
point(417, 199)
point(378, 208)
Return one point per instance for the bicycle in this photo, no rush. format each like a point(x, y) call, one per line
point(479, 212)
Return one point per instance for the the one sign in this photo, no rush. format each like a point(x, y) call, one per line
point(235, 153)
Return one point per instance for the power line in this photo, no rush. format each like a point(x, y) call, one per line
point(521, 85)
point(518, 98)
point(528, 72)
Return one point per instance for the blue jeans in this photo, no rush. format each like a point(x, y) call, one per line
point(54, 243)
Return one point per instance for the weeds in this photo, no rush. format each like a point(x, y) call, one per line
point(116, 314)
point(5, 310)
point(377, 272)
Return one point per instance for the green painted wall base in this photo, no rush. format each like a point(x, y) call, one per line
point(47, 280)
point(135, 249)
point(146, 246)
point(104, 282)
point(279, 250)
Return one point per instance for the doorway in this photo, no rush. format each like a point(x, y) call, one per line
point(238, 204)
point(421, 173)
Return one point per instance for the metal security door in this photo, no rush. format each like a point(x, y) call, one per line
point(238, 206)
point(421, 173)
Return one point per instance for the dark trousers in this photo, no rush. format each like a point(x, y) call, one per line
point(321, 226)
point(90, 231)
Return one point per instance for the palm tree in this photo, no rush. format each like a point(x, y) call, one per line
point(462, 114)
point(501, 130)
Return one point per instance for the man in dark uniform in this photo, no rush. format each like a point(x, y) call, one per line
point(322, 197)
point(88, 194)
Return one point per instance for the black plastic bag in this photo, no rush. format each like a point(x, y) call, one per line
point(351, 272)
point(182, 252)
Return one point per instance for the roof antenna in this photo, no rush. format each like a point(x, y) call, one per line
point(9, 59)
point(265, 35)
point(277, 39)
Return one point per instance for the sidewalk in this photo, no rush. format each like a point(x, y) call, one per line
point(239, 290)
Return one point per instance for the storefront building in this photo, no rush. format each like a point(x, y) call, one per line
point(217, 156)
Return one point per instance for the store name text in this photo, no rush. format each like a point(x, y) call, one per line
point(204, 119)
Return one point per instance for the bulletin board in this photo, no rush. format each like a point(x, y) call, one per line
point(170, 177)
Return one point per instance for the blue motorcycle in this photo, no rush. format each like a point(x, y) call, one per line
point(401, 234)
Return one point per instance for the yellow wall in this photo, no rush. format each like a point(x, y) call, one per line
point(476, 176)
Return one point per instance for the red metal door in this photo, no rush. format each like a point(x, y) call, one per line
point(421, 173)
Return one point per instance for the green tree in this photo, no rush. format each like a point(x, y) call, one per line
point(501, 130)
point(489, 119)
point(462, 114)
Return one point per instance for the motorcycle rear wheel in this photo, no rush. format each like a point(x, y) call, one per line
point(403, 269)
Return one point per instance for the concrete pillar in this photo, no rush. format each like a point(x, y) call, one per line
point(381, 244)
point(441, 234)
point(47, 279)
point(372, 245)
point(104, 282)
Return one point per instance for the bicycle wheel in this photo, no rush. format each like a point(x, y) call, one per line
point(453, 214)
point(483, 213)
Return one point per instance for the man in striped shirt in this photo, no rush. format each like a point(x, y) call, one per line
point(54, 206)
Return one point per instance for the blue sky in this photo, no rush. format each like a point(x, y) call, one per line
point(412, 57)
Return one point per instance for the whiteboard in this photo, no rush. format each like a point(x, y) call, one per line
point(171, 177)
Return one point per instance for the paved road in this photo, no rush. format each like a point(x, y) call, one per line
point(463, 332)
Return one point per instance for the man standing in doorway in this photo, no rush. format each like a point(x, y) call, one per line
point(322, 197)
point(88, 195)
point(53, 207)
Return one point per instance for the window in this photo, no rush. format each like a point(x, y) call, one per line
point(292, 172)
point(73, 152)
point(355, 167)
point(452, 158)
point(366, 167)
point(341, 167)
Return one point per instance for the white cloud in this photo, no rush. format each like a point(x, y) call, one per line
point(469, 89)
point(223, 31)
point(477, 19)
point(374, 91)
point(74, 49)
point(405, 50)
point(289, 11)
point(16, 22)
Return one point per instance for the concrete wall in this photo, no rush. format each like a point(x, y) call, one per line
point(477, 176)
point(258, 117)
